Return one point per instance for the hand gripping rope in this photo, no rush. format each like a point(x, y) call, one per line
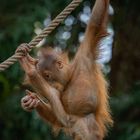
point(11, 60)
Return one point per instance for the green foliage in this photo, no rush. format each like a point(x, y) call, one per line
point(126, 111)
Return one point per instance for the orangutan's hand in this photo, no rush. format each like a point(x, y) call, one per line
point(29, 102)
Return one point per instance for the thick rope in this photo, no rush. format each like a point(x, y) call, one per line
point(11, 60)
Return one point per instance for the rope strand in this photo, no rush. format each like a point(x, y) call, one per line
point(11, 60)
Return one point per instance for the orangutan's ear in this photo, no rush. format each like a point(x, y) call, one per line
point(59, 64)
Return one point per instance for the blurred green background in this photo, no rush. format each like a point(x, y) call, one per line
point(21, 20)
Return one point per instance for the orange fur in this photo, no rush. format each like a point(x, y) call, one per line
point(103, 116)
point(76, 91)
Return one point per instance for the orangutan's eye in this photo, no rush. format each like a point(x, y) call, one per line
point(48, 76)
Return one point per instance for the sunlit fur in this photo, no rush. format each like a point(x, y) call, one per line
point(102, 113)
point(76, 90)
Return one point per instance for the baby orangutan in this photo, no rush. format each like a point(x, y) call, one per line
point(76, 91)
